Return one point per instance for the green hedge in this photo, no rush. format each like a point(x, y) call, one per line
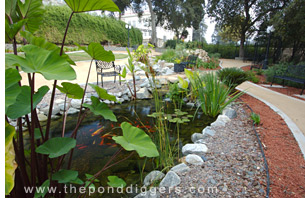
point(85, 28)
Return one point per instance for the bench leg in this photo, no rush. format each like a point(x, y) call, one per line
point(120, 79)
point(97, 79)
point(283, 83)
point(303, 89)
point(272, 82)
point(102, 80)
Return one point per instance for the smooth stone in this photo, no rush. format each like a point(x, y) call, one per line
point(119, 94)
point(167, 99)
point(218, 123)
point(143, 93)
point(58, 101)
point(231, 113)
point(107, 101)
point(190, 104)
point(197, 136)
point(171, 179)
point(55, 116)
point(180, 168)
point(208, 131)
point(194, 160)
point(153, 176)
point(163, 81)
point(125, 97)
point(75, 103)
point(200, 141)
point(42, 117)
point(120, 100)
point(137, 78)
point(223, 118)
point(198, 149)
point(168, 65)
point(169, 72)
point(72, 111)
point(56, 110)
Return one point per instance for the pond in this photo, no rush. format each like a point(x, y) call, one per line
point(95, 146)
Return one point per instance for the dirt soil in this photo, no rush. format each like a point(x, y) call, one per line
point(289, 91)
point(284, 157)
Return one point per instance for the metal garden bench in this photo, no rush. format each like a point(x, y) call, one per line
point(295, 73)
point(101, 66)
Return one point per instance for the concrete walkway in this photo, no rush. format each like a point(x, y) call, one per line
point(290, 109)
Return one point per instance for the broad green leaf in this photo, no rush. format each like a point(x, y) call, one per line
point(37, 134)
point(102, 109)
point(39, 60)
point(102, 93)
point(22, 105)
point(91, 5)
point(32, 10)
point(72, 90)
point(88, 177)
point(135, 139)
point(57, 146)
point(91, 185)
point(183, 83)
point(97, 52)
point(77, 181)
point(43, 189)
point(12, 29)
point(123, 75)
point(10, 164)
point(12, 88)
point(41, 42)
point(116, 182)
point(65, 176)
point(10, 7)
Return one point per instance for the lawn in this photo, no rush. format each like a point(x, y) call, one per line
point(80, 56)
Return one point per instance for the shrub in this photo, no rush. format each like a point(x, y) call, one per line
point(213, 94)
point(172, 43)
point(252, 77)
point(85, 28)
point(232, 77)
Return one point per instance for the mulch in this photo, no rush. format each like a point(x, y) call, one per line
point(285, 160)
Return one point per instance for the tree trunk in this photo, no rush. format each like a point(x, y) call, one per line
point(153, 23)
point(120, 16)
point(242, 43)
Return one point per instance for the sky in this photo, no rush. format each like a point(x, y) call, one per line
point(210, 30)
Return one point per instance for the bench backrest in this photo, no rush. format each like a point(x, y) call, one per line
point(100, 65)
point(297, 71)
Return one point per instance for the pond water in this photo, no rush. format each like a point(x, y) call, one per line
point(95, 146)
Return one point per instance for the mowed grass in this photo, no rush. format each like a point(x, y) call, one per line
point(81, 56)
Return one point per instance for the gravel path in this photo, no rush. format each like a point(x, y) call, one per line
point(233, 166)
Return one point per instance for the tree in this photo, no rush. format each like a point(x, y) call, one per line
point(122, 5)
point(243, 15)
point(177, 15)
point(198, 34)
point(289, 24)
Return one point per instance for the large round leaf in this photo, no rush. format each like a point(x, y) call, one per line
point(65, 176)
point(136, 139)
point(12, 89)
point(57, 146)
point(22, 105)
point(102, 93)
point(91, 5)
point(12, 29)
point(39, 60)
point(97, 51)
point(10, 164)
point(72, 90)
point(102, 109)
point(115, 181)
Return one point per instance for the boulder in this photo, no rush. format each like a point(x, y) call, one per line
point(75, 103)
point(42, 117)
point(180, 168)
point(152, 177)
point(208, 131)
point(143, 94)
point(194, 160)
point(231, 113)
point(198, 149)
point(171, 179)
point(72, 111)
point(170, 65)
point(197, 136)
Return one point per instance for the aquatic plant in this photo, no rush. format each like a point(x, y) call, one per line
point(44, 166)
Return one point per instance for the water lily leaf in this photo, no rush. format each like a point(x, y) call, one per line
point(41, 42)
point(12, 29)
point(72, 90)
point(39, 60)
point(33, 11)
point(43, 189)
point(135, 139)
point(102, 93)
point(65, 176)
point(97, 52)
point(116, 182)
point(12, 89)
point(22, 105)
point(10, 164)
point(57, 146)
point(91, 5)
point(100, 108)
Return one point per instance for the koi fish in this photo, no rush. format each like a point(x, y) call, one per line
point(79, 145)
point(97, 131)
point(135, 122)
point(112, 125)
point(93, 142)
point(82, 147)
point(90, 130)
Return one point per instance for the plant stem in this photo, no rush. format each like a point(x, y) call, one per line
point(33, 154)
